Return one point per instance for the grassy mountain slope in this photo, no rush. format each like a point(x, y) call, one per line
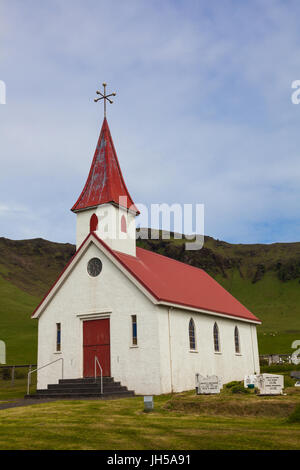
point(16, 328)
point(27, 270)
point(263, 277)
point(33, 265)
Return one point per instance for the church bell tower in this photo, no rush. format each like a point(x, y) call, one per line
point(104, 205)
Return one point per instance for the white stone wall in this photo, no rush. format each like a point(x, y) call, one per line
point(185, 364)
point(109, 227)
point(111, 293)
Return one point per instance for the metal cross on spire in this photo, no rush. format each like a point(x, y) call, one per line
point(104, 97)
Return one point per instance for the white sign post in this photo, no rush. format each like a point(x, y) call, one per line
point(209, 385)
point(2, 352)
point(270, 384)
point(148, 403)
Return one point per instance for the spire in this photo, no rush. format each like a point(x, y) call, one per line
point(105, 183)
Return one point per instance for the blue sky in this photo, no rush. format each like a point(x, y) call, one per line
point(203, 112)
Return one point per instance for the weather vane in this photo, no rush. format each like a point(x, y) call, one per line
point(104, 97)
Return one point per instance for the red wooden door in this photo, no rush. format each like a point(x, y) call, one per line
point(96, 342)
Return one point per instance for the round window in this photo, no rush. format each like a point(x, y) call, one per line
point(94, 267)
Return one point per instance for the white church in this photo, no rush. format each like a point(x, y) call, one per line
point(145, 320)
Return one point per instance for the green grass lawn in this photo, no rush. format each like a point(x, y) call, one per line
point(179, 422)
point(16, 327)
point(9, 392)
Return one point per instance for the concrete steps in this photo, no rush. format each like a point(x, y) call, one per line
point(83, 388)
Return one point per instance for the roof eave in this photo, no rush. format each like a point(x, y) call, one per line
point(135, 211)
point(208, 312)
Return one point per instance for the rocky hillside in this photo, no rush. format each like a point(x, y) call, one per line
point(252, 262)
point(33, 265)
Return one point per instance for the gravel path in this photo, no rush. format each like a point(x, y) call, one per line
point(23, 402)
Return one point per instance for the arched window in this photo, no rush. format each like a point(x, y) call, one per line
point(216, 338)
point(123, 224)
point(192, 334)
point(237, 340)
point(93, 223)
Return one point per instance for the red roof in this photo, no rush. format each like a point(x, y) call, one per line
point(174, 282)
point(171, 281)
point(105, 182)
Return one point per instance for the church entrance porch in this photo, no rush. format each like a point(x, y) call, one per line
point(96, 343)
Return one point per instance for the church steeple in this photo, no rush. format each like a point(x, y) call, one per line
point(105, 205)
point(105, 183)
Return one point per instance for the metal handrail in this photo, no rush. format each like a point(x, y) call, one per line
point(97, 362)
point(42, 367)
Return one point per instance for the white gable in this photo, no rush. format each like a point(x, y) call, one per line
point(101, 252)
point(80, 297)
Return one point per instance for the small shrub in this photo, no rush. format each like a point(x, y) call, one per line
point(239, 388)
point(232, 384)
point(295, 416)
point(288, 381)
point(5, 373)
